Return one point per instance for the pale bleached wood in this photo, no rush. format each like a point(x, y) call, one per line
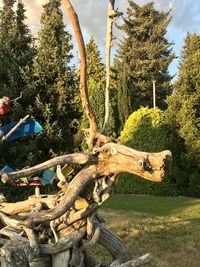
point(113, 244)
point(112, 15)
point(75, 158)
point(63, 243)
point(72, 193)
point(61, 259)
point(83, 70)
point(26, 206)
point(134, 263)
point(117, 158)
point(4, 138)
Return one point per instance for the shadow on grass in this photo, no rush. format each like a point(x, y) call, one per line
point(173, 241)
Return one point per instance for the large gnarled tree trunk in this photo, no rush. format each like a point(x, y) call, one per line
point(49, 230)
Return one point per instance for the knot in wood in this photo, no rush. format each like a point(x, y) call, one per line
point(113, 151)
point(5, 177)
point(141, 165)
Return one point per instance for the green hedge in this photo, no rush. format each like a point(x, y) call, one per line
point(146, 130)
point(132, 184)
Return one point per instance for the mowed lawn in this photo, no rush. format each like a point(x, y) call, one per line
point(169, 228)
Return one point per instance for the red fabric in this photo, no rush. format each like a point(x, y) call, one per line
point(4, 105)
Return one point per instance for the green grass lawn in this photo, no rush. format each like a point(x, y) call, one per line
point(169, 228)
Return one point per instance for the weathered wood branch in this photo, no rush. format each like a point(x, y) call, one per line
point(113, 244)
point(114, 158)
point(83, 69)
point(64, 243)
point(14, 254)
point(109, 36)
point(72, 193)
point(134, 263)
point(112, 15)
point(75, 158)
point(26, 206)
point(110, 159)
point(4, 138)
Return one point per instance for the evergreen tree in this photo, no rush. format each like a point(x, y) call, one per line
point(96, 87)
point(7, 64)
point(96, 82)
point(95, 67)
point(144, 55)
point(183, 114)
point(17, 52)
point(7, 21)
point(17, 49)
point(183, 104)
point(52, 85)
point(24, 49)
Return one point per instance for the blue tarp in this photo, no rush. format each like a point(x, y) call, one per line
point(46, 176)
point(6, 169)
point(27, 128)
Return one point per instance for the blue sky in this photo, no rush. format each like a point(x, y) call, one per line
point(92, 15)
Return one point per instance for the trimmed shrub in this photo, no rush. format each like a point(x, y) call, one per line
point(146, 130)
point(132, 184)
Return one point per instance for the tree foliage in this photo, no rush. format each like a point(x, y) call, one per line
point(144, 55)
point(17, 48)
point(7, 44)
point(183, 114)
point(17, 51)
point(96, 87)
point(52, 87)
point(96, 82)
point(184, 109)
point(146, 130)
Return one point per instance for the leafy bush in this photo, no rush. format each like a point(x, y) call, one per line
point(146, 130)
point(132, 184)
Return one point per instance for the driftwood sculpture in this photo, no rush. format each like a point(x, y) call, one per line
point(57, 230)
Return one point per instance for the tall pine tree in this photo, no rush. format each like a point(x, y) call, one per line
point(183, 115)
point(52, 85)
point(96, 86)
point(144, 55)
point(96, 82)
point(17, 48)
point(17, 52)
point(7, 62)
point(183, 105)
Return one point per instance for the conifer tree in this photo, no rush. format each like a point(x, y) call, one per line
point(96, 87)
point(17, 51)
point(7, 63)
point(17, 48)
point(95, 67)
point(183, 105)
point(96, 82)
point(144, 55)
point(24, 42)
point(52, 85)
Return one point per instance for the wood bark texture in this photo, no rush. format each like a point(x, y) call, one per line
point(83, 70)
